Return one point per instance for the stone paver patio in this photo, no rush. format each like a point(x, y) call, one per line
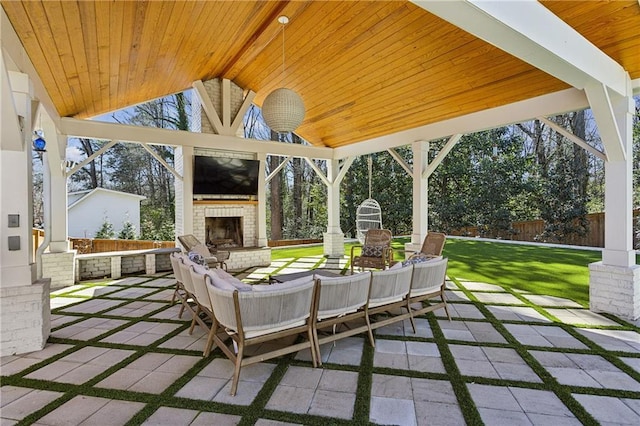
point(119, 354)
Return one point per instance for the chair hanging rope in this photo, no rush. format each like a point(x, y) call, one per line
point(369, 213)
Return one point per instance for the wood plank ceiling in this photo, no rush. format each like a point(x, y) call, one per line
point(363, 68)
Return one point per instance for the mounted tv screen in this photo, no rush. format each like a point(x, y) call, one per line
point(225, 176)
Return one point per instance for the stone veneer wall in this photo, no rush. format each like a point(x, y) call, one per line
point(25, 317)
point(60, 267)
point(214, 90)
point(615, 289)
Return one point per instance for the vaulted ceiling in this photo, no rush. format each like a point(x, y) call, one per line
point(363, 68)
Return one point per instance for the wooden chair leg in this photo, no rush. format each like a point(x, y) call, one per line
point(312, 348)
point(212, 332)
point(413, 323)
point(446, 308)
point(193, 321)
point(175, 293)
point(317, 345)
point(182, 308)
point(369, 331)
point(236, 373)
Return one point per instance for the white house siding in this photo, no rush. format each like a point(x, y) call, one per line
point(87, 215)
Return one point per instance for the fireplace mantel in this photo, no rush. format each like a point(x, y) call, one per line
point(205, 202)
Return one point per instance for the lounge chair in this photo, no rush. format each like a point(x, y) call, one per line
point(376, 251)
point(254, 317)
point(340, 300)
point(215, 258)
point(428, 282)
point(389, 291)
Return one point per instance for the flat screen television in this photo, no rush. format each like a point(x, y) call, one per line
point(225, 176)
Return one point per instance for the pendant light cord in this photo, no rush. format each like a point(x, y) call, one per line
point(370, 160)
point(283, 24)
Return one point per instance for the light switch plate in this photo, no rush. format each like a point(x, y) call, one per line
point(14, 221)
point(14, 243)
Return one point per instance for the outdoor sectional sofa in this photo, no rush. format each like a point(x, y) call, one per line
point(242, 315)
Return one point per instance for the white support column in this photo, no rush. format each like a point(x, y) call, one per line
point(614, 284)
point(56, 147)
point(24, 302)
point(262, 202)
point(420, 195)
point(59, 262)
point(334, 237)
point(183, 161)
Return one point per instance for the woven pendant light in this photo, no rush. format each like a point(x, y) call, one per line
point(283, 109)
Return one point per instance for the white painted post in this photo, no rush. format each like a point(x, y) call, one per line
point(183, 161)
point(261, 224)
point(333, 238)
point(420, 196)
point(25, 320)
point(614, 283)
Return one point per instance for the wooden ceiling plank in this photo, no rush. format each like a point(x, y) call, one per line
point(126, 42)
point(116, 22)
point(103, 40)
point(155, 41)
point(61, 59)
point(148, 38)
point(199, 56)
point(210, 54)
point(524, 31)
point(42, 53)
point(76, 37)
point(90, 38)
point(174, 55)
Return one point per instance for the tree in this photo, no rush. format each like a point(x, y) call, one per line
point(106, 230)
point(128, 231)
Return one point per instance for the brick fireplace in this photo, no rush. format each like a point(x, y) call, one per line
point(231, 225)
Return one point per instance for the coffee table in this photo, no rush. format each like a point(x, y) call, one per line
point(283, 278)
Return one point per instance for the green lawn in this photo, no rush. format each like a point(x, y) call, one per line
point(541, 270)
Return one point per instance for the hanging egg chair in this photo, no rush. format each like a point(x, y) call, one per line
point(369, 213)
point(368, 216)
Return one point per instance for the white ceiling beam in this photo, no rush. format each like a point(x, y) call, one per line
point(277, 169)
point(316, 169)
point(518, 112)
point(18, 60)
point(344, 168)
point(453, 140)
point(573, 138)
point(529, 31)
point(92, 157)
point(161, 160)
point(156, 136)
point(13, 132)
point(207, 106)
point(246, 104)
point(396, 156)
point(601, 105)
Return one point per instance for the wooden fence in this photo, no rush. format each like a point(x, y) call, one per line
point(531, 230)
point(86, 245)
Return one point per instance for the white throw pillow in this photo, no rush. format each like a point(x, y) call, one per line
point(241, 286)
point(220, 283)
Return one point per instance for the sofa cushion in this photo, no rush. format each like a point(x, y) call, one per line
point(241, 286)
point(219, 282)
point(283, 286)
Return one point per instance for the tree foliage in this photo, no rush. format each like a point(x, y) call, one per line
point(106, 230)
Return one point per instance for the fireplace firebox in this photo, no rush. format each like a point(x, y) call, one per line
point(224, 232)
